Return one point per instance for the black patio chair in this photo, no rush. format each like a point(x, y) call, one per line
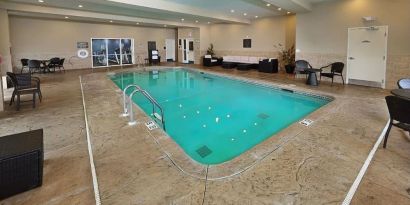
point(404, 83)
point(24, 64)
point(301, 66)
point(336, 69)
point(53, 64)
point(24, 84)
point(61, 65)
point(34, 66)
point(399, 110)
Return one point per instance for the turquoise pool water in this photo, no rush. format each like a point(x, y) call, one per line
point(215, 119)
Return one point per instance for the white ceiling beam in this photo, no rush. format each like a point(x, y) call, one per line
point(170, 6)
point(87, 14)
point(295, 6)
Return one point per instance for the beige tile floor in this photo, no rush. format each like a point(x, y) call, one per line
point(317, 166)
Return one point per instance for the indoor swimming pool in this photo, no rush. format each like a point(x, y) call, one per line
point(213, 118)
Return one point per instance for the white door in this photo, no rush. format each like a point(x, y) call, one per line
point(366, 56)
point(170, 49)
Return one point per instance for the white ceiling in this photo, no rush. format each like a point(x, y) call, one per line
point(162, 11)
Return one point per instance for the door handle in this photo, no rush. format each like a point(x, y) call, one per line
point(351, 58)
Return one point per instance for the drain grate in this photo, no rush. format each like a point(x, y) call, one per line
point(204, 151)
point(263, 116)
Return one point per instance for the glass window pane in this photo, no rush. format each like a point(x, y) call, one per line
point(99, 47)
point(99, 60)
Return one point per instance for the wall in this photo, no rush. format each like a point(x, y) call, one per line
point(5, 66)
point(264, 32)
point(321, 35)
point(43, 39)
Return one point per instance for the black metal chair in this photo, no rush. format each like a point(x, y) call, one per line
point(24, 84)
point(301, 66)
point(399, 110)
point(61, 64)
point(24, 64)
point(404, 83)
point(336, 69)
point(34, 66)
point(53, 64)
point(210, 61)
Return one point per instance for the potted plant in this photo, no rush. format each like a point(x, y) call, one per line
point(287, 56)
point(210, 50)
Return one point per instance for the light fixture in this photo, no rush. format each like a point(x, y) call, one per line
point(232, 11)
point(80, 6)
point(41, 1)
point(182, 19)
point(138, 23)
point(288, 12)
point(66, 17)
point(196, 21)
point(279, 9)
point(209, 22)
point(245, 14)
point(268, 5)
point(256, 17)
point(111, 21)
point(165, 25)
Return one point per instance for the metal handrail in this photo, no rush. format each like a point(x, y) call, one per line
point(125, 102)
point(154, 103)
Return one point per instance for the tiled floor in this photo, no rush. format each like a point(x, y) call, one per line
point(317, 166)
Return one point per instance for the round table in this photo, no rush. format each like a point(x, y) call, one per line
point(312, 77)
point(403, 93)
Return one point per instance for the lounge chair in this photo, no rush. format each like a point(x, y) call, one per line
point(404, 83)
point(336, 69)
point(399, 110)
point(209, 61)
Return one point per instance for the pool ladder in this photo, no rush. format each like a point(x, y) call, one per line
point(128, 111)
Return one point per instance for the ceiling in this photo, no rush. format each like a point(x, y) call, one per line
point(190, 13)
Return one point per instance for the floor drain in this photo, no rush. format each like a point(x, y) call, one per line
point(263, 116)
point(204, 151)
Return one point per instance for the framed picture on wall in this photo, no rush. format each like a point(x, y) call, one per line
point(247, 43)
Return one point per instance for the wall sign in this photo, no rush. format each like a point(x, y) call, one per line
point(82, 44)
point(247, 43)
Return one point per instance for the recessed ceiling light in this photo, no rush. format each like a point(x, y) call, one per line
point(111, 21)
point(80, 6)
point(256, 17)
point(232, 11)
point(245, 14)
point(209, 22)
point(288, 12)
point(66, 17)
point(41, 1)
point(279, 9)
point(138, 23)
point(268, 4)
point(196, 21)
point(165, 25)
point(182, 19)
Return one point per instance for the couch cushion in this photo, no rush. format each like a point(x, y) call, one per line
point(214, 60)
point(254, 60)
point(208, 56)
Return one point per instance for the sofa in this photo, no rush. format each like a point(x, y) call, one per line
point(269, 65)
point(243, 59)
point(209, 61)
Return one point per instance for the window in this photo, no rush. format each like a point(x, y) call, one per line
point(112, 51)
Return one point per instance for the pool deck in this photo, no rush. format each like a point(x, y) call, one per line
point(302, 165)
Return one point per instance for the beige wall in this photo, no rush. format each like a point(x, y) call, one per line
point(43, 39)
point(322, 34)
point(5, 66)
point(264, 32)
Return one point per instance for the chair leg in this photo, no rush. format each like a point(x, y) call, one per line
point(12, 98)
point(34, 100)
point(40, 95)
point(332, 80)
point(18, 102)
point(343, 80)
point(386, 136)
